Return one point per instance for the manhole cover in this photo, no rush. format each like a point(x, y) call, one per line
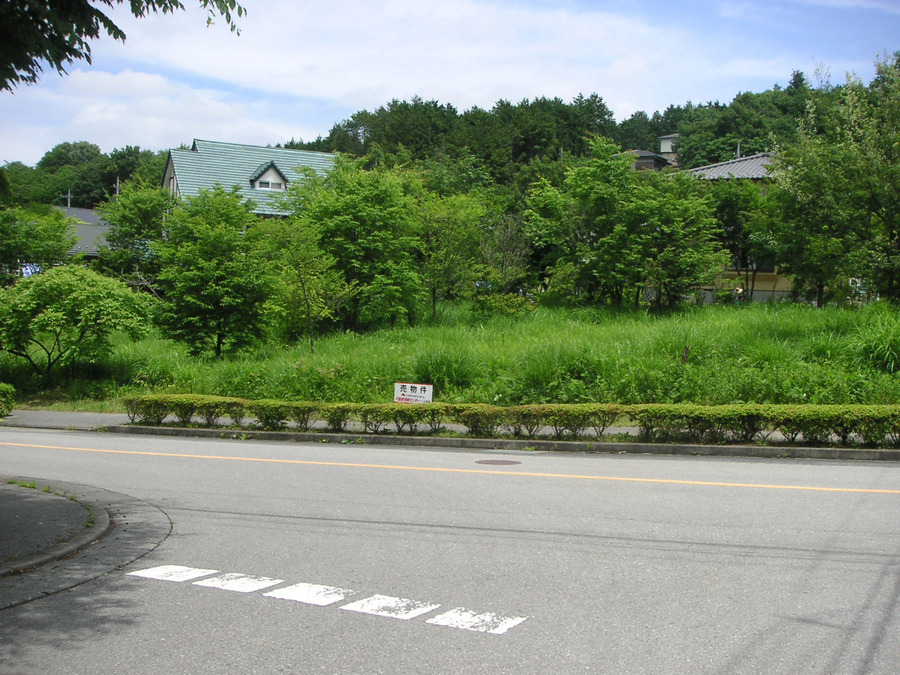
point(497, 462)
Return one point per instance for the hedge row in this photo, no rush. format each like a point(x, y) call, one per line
point(870, 425)
point(7, 399)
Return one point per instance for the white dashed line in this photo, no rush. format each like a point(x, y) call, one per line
point(395, 608)
point(241, 583)
point(311, 594)
point(482, 623)
point(173, 573)
point(322, 596)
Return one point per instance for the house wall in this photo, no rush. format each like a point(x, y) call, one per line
point(169, 180)
point(271, 176)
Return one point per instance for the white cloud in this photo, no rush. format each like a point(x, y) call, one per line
point(364, 53)
point(299, 67)
point(133, 108)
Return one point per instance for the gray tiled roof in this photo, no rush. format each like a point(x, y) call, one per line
point(211, 163)
point(89, 228)
point(755, 166)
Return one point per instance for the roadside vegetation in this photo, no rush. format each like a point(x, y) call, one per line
point(509, 270)
point(780, 354)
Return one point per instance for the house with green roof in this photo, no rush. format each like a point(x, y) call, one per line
point(260, 174)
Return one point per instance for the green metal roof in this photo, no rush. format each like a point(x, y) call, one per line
point(211, 163)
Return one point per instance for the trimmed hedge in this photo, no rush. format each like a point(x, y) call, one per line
point(869, 425)
point(7, 399)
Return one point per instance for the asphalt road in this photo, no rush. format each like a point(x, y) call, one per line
point(328, 558)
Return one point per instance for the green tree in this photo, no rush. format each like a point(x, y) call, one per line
point(28, 185)
point(212, 279)
point(137, 218)
point(66, 315)
point(637, 133)
point(78, 174)
point(579, 231)
point(369, 224)
point(35, 236)
point(449, 242)
point(59, 32)
point(751, 123)
point(744, 213)
point(838, 188)
point(306, 285)
point(677, 233)
point(610, 232)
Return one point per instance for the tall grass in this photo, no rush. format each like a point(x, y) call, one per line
point(712, 355)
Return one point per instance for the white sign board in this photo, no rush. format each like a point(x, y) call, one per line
point(405, 392)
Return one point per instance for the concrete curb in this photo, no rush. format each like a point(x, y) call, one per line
point(102, 525)
point(609, 447)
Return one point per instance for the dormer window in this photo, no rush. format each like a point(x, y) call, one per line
point(268, 177)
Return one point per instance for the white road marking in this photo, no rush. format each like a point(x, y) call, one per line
point(311, 594)
point(322, 596)
point(173, 573)
point(242, 583)
point(395, 608)
point(483, 623)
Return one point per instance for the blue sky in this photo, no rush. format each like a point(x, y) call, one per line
point(300, 66)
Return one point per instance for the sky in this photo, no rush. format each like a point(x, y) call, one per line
point(298, 67)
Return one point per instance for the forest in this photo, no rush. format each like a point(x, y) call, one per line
point(431, 213)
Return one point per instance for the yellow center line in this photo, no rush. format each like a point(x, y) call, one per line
point(492, 472)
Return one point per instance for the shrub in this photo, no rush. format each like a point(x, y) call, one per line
point(269, 413)
point(301, 413)
point(433, 414)
point(183, 406)
point(480, 419)
point(526, 418)
point(151, 409)
point(211, 408)
point(374, 416)
point(337, 415)
point(405, 416)
point(7, 399)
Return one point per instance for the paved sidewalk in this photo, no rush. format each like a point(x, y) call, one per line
point(41, 522)
point(53, 419)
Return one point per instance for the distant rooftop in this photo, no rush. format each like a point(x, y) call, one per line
point(753, 167)
point(246, 167)
point(90, 229)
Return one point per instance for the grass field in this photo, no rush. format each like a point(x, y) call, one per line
point(759, 353)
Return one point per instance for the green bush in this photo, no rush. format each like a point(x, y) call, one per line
point(212, 408)
point(871, 425)
point(151, 409)
point(374, 416)
point(7, 399)
point(480, 419)
point(270, 414)
point(301, 413)
point(527, 419)
point(337, 415)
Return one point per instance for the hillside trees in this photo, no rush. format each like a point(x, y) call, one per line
point(78, 173)
point(755, 122)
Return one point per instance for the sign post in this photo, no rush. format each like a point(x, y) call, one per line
point(404, 392)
